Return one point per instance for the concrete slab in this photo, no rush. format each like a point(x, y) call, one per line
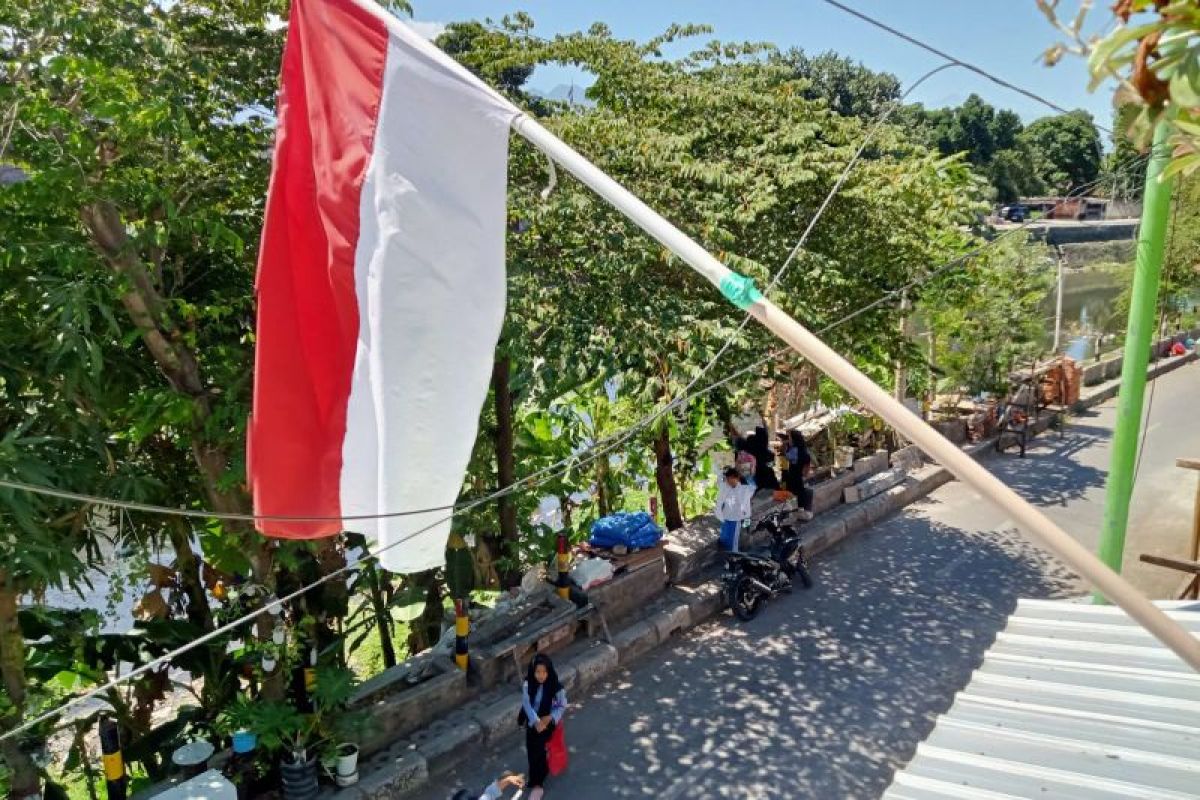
point(593, 663)
point(636, 640)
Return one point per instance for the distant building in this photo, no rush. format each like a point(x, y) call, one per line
point(1077, 208)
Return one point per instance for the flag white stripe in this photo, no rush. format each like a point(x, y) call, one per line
point(430, 286)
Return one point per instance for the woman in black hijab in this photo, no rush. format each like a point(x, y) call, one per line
point(799, 462)
point(543, 703)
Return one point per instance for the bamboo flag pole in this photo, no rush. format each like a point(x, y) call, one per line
point(741, 291)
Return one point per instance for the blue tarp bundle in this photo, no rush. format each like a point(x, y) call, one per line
point(635, 530)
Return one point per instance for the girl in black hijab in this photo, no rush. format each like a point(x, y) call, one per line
point(543, 703)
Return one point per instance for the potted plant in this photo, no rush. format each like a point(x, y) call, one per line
point(336, 724)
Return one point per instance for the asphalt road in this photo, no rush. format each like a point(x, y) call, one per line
point(830, 690)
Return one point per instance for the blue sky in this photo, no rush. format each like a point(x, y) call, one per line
point(1005, 37)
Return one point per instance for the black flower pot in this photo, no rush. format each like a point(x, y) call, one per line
point(298, 779)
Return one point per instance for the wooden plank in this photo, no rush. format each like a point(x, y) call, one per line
point(1188, 463)
point(1173, 563)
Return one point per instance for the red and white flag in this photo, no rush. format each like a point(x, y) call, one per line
point(380, 282)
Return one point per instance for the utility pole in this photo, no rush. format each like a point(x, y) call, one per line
point(1058, 302)
point(905, 333)
point(1141, 328)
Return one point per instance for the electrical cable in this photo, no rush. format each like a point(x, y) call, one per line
point(593, 452)
point(980, 71)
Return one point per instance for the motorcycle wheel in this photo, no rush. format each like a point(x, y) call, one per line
point(803, 574)
point(744, 598)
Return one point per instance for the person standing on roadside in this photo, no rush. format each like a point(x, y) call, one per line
point(733, 508)
point(799, 465)
point(543, 703)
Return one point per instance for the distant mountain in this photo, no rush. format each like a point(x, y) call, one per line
point(566, 93)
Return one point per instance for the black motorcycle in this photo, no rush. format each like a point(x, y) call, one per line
point(758, 575)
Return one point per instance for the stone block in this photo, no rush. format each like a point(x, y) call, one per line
point(824, 533)
point(874, 485)
point(443, 746)
point(594, 663)
point(828, 494)
point(877, 508)
point(691, 549)
point(930, 478)
point(868, 465)
point(855, 517)
point(1093, 374)
point(629, 593)
point(400, 709)
point(498, 719)
point(568, 675)
point(1112, 368)
point(953, 429)
point(403, 773)
point(670, 620)
point(908, 458)
point(703, 600)
point(635, 640)
point(556, 638)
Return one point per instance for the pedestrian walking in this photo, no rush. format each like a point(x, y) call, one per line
point(733, 508)
point(543, 703)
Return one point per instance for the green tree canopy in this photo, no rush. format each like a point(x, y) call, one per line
point(1069, 145)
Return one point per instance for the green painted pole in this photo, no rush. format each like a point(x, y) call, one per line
point(1143, 321)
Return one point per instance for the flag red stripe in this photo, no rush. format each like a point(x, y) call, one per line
point(307, 332)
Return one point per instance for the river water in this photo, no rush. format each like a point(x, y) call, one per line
point(1089, 300)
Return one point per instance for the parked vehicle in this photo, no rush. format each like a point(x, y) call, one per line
point(1014, 213)
point(753, 577)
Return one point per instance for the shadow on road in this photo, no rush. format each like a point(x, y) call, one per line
point(1050, 473)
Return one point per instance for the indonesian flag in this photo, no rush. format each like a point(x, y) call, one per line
point(380, 283)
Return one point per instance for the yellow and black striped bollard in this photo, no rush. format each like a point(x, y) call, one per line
point(114, 763)
point(564, 564)
point(462, 627)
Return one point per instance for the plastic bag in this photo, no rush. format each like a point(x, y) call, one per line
point(635, 530)
point(556, 751)
point(591, 572)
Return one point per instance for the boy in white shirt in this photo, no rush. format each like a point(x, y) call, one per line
point(733, 508)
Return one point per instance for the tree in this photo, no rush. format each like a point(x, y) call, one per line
point(980, 340)
point(849, 88)
point(719, 140)
point(1070, 146)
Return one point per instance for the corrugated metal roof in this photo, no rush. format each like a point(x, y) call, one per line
point(1072, 701)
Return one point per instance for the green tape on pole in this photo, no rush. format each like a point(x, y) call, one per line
point(740, 290)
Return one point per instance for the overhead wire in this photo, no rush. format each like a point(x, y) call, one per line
point(980, 71)
point(595, 451)
point(592, 452)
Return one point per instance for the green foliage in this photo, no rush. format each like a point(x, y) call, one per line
point(987, 317)
point(849, 88)
point(1052, 155)
point(1070, 146)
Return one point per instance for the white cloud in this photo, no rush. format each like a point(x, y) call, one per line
point(275, 22)
point(429, 29)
